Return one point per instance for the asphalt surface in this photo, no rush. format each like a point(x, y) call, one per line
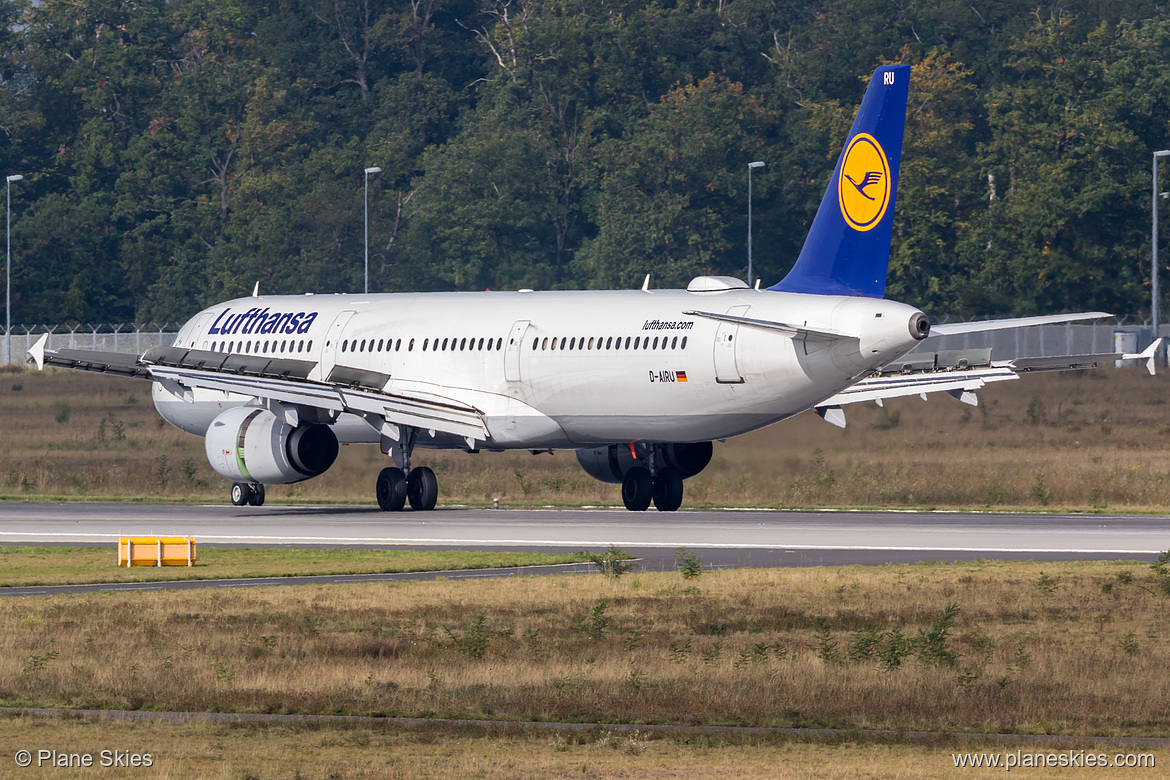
point(726, 538)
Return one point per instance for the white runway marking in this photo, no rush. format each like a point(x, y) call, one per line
point(415, 541)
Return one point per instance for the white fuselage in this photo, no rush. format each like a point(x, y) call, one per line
point(563, 369)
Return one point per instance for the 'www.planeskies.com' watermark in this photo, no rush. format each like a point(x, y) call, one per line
point(61, 759)
point(1067, 758)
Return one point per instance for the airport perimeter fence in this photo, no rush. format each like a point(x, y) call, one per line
point(121, 337)
point(1047, 340)
point(1041, 341)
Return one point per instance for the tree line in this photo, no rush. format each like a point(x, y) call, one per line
point(177, 151)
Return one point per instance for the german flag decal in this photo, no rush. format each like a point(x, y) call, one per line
point(681, 375)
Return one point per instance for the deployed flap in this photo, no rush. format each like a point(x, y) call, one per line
point(446, 416)
point(272, 388)
point(461, 420)
point(877, 388)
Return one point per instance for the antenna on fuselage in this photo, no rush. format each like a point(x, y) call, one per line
point(646, 284)
point(256, 290)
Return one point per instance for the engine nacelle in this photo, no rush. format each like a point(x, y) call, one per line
point(247, 444)
point(688, 459)
point(610, 464)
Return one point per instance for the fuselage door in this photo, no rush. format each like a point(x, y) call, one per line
point(513, 348)
point(333, 343)
point(726, 346)
point(195, 336)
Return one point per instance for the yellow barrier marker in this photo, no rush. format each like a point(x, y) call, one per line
point(156, 551)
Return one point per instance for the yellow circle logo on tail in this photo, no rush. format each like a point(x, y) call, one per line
point(863, 189)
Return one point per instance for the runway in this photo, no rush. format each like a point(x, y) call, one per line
point(743, 538)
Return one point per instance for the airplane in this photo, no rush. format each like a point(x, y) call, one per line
point(638, 382)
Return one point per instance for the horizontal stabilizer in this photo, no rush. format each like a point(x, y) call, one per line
point(955, 328)
point(796, 331)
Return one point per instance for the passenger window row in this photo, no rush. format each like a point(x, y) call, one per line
point(273, 347)
point(447, 345)
point(289, 346)
point(609, 342)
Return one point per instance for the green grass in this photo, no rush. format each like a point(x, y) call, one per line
point(26, 566)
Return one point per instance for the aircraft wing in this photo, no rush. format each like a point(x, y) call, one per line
point(284, 380)
point(959, 374)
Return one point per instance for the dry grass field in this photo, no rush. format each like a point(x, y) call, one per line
point(218, 752)
point(1087, 441)
point(1060, 648)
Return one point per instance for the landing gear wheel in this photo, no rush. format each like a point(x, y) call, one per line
point(391, 490)
point(241, 493)
point(637, 489)
point(257, 497)
point(422, 489)
point(668, 490)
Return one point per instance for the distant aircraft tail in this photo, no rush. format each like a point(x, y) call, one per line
point(847, 251)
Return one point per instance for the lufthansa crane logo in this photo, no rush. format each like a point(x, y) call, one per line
point(863, 189)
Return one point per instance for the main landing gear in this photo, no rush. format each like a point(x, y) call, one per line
point(665, 489)
point(662, 485)
point(247, 494)
point(400, 484)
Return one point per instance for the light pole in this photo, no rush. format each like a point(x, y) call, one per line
point(1155, 307)
point(8, 280)
point(368, 172)
point(757, 164)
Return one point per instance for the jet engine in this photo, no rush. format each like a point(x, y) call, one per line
point(689, 459)
point(610, 464)
point(248, 444)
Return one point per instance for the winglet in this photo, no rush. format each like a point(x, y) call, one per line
point(1149, 354)
point(37, 353)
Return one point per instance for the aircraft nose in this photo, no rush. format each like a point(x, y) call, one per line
point(919, 326)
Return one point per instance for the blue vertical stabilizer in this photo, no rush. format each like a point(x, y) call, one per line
point(847, 251)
